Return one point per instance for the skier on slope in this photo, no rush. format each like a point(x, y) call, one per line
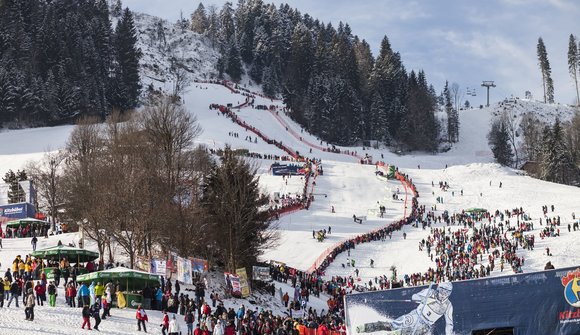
point(433, 304)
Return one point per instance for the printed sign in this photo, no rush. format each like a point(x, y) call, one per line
point(199, 265)
point(244, 285)
point(159, 267)
point(233, 284)
point(547, 302)
point(184, 270)
point(261, 273)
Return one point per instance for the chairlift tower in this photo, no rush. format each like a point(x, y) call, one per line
point(487, 84)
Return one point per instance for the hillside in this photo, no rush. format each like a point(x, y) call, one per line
point(167, 47)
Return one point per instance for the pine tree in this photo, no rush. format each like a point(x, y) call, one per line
point(236, 221)
point(557, 162)
point(116, 8)
point(213, 25)
point(16, 193)
point(389, 79)
point(270, 82)
point(227, 30)
point(299, 69)
point(452, 116)
point(574, 64)
point(546, 71)
point(127, 63)
point(498, 139)
point(233, 62)
point(379, 122)
point(199, 20)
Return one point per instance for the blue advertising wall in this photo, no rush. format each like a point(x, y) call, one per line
point(284, 170)
point(18, 211)
point(546, 302)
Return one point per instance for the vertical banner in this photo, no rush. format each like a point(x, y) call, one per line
point(172, 263)
point(233, 284)
point(184, 271)
point(159, 267)
point(244, 285)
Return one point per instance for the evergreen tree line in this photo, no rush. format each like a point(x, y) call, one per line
point(61, 59)
point(553, 148)
point(328, 77)
point(138, 182)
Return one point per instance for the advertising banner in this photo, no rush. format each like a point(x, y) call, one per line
point(233, 284)
point(199, 265)
point(244, 284)
point(261, 273)
point(172, 263)
point(184, 270)
point(143, 264)
point(159, 267)
point(545, 302)
point(17, 211)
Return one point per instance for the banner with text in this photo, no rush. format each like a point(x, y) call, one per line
point(159, 267)
point(547, 303)
point(184, 270)
point(233, 284)
point(244, 284)
point(261, 273)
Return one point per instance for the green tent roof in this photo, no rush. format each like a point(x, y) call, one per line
point(128, 279)
point(25, 222)
point(61, 251)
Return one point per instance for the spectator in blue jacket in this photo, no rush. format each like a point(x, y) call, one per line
point(84, 294)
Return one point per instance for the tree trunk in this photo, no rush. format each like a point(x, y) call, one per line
point(111, 257)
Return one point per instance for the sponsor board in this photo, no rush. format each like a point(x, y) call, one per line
point(546, 302)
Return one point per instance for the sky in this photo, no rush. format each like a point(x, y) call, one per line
point(465, 42)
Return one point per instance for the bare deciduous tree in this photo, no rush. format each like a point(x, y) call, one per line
point(46, 174)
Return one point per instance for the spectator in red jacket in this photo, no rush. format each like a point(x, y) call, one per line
point(40, 293)
point(230, 328)
point(323, 330)
point(141, 317)
point(165, 324)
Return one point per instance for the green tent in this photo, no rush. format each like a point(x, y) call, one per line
point(71, 254)
point(391, 174)
point(26, 222)
point(128, 279)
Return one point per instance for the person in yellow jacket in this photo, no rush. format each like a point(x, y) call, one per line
point(28, 269)
point(6, 288)
point(21, 268)
point(99, 290)
point(15, 269)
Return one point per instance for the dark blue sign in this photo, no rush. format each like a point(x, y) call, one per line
point(284, 170)
point(18, 211)
point(546, 302)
